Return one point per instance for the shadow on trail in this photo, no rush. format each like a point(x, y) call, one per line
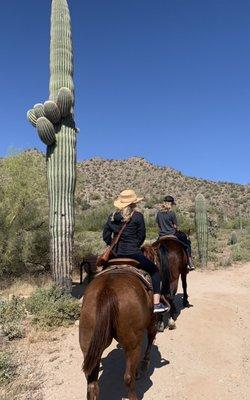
point(178, 301)
point(78, 289)
point(112, 370)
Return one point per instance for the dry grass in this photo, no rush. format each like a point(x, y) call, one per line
point(26, 381)
point(24, 286)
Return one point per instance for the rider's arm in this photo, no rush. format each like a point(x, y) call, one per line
point(107, 233)
point(111, 228)
point(141, 230)
point(174, 220)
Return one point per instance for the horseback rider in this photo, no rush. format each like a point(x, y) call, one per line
point(131, 239)
point(167, 223)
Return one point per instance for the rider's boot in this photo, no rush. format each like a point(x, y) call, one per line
point(160, 307)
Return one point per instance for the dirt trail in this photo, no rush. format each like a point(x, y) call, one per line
point(206, 357)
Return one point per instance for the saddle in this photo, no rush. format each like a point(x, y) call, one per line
point(159, 241)
point(124, 266)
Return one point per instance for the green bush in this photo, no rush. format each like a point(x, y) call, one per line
point(152, 201)
point(7, 368)
point(51, 308)
point(95, 218)
point(12, 315)
point(24, 237)
point(241, 251)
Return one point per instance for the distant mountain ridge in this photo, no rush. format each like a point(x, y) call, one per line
point(100, 180)
point(104, 179)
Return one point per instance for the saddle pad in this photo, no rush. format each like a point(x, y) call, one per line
point(123, 261)
point(124, 269)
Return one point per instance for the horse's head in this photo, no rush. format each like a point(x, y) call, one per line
point(89, 266)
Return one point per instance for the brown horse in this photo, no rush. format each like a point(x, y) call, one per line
point(169, 250)
point(116, 305)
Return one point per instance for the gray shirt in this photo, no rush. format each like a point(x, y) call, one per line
point(166, 221)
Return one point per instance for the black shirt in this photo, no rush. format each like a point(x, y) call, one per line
point(166, 221)
point(132, 237)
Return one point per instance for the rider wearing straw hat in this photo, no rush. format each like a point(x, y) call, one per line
point(133, 236)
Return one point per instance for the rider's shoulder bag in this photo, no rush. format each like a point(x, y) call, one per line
point(102, 259)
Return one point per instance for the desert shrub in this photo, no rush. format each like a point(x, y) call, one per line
point(151, 202)
point(152, 233)
point(7, 367)
point(95, 218)
point(87, 243)
point(96, 196)
point(238, 254)
point(24, 239)
point(85, 205)
point(235, 223)
point(185, 223)
point(225, 261)
point(51, 308)
point(241, 250)
point(12, 315)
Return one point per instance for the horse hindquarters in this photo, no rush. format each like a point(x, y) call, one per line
point(104, 331)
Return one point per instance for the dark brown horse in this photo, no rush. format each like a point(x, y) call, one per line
point(116, 305)
point(171, 253)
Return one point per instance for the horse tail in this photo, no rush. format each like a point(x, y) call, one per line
point(105, 327)
point(165, 269)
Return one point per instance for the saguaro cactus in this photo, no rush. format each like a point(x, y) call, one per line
point(55, 124)
point(233, 238)
point(201, 228)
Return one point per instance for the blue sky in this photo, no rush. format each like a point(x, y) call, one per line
point(167, 80)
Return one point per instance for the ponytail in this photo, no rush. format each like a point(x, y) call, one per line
point(127, 212)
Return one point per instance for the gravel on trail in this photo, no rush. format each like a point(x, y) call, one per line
point(206, 357)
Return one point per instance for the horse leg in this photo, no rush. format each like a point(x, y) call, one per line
point(160, 323)
point(173, 311)
point(92, 384)
point(184, 287)
point(132, 361)
point(151, 337)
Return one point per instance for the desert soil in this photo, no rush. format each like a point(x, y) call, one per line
point(206, 357)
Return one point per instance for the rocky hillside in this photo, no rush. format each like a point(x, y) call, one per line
point(101, 179)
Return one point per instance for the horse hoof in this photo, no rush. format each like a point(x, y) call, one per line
point(160, 327)
point(186, 303)
point(171, 324)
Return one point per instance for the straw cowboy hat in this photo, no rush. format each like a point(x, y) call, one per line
point(125, 198)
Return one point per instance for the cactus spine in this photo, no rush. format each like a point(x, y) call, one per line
point(201, 228)
point(56, 127)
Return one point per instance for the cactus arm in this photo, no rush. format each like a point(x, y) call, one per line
point(54, 121)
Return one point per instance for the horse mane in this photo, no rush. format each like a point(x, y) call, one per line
point(148, 251)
